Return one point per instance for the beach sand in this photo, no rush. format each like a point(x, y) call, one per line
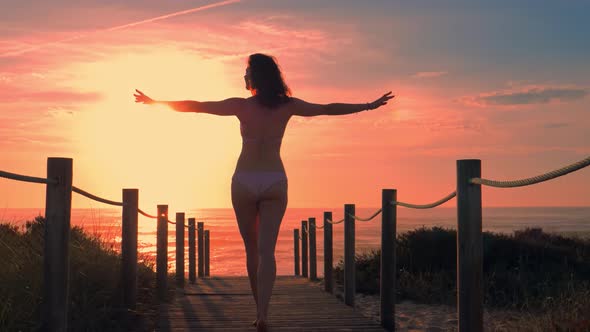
point(414, 317)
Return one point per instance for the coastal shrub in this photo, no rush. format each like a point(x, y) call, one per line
point(522, 270)
point(94, 291)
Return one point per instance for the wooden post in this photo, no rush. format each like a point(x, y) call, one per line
point(304, 264)
point(349, 265)
point(207, 253)
point(58, 204)
point(328, 253)
point(192, 271)
point(162, 253)
point(129, 248)
point(201, 249)
point(180, 249)
point(387, 279)
point(313, 266)
point(296, 250)
point(469, 247)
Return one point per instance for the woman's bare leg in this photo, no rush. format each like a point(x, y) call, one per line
point(246, 211)
point(271, 211)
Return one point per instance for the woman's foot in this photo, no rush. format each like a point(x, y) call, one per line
point(261, 326)
point(255, 322)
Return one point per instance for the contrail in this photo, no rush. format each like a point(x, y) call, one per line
point(163, 17)
point(120, 27)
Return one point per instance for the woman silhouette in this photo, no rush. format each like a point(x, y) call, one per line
point(259, 184)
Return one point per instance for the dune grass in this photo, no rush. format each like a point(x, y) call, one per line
point(544, 276)
point(94, 290)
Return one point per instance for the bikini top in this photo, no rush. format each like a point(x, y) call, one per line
point(245, 139)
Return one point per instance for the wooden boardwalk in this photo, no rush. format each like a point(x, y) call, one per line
point(226, 304)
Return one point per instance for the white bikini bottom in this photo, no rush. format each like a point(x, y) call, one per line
point(257, 182)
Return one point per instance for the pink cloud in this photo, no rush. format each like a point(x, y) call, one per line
point(429, 74)
point(60, 97)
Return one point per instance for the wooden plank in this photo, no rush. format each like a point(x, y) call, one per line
point(226, 304)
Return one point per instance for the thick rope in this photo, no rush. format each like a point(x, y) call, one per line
point(146, 215)
point(408, 205)
point(369, 218)
point(96, 198)
point(335, 222)
point(331, 222)
point(303, 229)
point(155, 217)
point(426, 206)
point(535, 179)
point(26, 178)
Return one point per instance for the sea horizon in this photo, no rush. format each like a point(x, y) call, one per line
point(227, 251)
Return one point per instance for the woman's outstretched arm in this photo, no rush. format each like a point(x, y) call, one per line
point(228, 106)
point(303, 108)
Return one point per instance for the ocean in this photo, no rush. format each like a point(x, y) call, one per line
point(227, 250)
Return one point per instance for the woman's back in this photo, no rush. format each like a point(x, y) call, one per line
point(262, 130)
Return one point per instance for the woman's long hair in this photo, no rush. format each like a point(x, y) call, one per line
point(267, 81)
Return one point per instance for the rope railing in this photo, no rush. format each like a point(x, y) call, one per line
point(94, 197)
point(303, 230)
point(426, 206)
point(156, 217)
point(145, 214)
point(408, 205)
point(535, 179)
point(366, 219)
point(331, 222)
point(32, 179)
point(335, 222)
point(106, 201)
point(26, 178)
point(59, 198)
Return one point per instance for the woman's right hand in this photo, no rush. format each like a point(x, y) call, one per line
point(141, 98)
point(380, 102)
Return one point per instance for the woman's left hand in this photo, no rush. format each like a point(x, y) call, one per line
point(381, 101)
point(141, 98)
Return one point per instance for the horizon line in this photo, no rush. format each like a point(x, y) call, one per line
point(324, 207)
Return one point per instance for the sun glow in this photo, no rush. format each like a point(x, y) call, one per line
point(181, 159)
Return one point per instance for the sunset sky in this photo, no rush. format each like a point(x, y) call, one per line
point(502, 81)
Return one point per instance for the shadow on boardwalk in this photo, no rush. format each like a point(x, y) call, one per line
point(226, 304)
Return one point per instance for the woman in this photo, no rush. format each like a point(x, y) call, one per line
point(259, 184)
